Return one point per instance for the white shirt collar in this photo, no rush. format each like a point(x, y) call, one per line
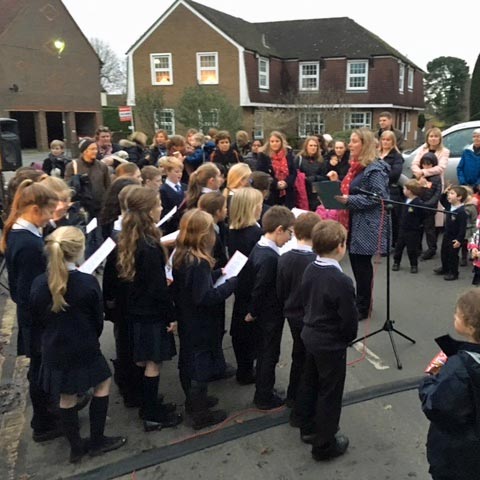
point(456, 207)
point(208, 190)
point(172, 185)
point(265, 242)
point(304, 248)
point(71, 267)
point(22, 224)
point(324, 262)
point(117, 225)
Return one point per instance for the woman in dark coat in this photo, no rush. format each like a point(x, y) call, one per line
point(278, 161)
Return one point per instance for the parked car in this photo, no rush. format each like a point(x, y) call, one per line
point(456, 138)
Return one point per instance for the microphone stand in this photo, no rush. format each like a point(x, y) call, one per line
point(388, 326)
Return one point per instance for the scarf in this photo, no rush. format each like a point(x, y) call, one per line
point(355, 168)
point(280, 168)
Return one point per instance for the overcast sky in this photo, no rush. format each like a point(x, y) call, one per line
point(420, 30)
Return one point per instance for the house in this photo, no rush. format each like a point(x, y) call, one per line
point(49, 73)
point(323, 75)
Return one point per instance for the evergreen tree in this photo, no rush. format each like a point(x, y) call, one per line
point(475, 92)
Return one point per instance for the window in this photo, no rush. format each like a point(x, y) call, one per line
point(401, 77)
point(310, 123)
point(207, 68)
point(309, 76)
point(410, 79)
point(357, 120)
point(161, 68)
point(165, 119)
point(258, 125)
point(357, 75)
point(208, 119)
point(263, 73)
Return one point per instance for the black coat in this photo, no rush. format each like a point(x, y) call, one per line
point(451, 401)
point(395, 159)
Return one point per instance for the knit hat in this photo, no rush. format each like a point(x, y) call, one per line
point(85, 143)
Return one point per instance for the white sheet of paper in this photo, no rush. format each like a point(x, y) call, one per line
point(233, 267)
point(168, 216)
point(169, 267)
point(170, 237)
point(91, 264)
point(298, 211)
point(92, 225)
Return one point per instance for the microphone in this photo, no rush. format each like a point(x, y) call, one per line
point(370, 194)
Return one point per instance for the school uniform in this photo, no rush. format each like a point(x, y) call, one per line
point(25, 261)
point(430, 196)
point(149, 306)
point(243, 338)
point(172, 195)
point(72, 362)
point(455, 228)
point(291, 267)
point(410, 231)
point(264, 306)
point(330, 324)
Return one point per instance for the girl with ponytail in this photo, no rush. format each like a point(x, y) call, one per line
point(204, 179)
point(22, 244)
point(149, 311)
point(68, 306)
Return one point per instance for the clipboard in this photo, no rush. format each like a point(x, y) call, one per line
point(327, 191)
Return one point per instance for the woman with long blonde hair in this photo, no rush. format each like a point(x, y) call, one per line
point(150, 315)
point(68, 305)
point(196, 299)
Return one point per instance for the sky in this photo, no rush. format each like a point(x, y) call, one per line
point(418, 29)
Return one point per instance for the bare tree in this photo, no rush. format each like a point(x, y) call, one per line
point(113, 73)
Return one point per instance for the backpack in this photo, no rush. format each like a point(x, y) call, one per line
point(82, 189)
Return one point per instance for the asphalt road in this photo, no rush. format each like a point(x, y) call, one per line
point(387, 433)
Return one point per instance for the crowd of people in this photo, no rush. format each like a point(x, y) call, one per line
point(221, 197)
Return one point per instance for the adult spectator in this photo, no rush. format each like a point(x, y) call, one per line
point(468, 170)
point(385, 121)
point(363, 217)
point(105, 147)
point(136, 147)
point(339, 159)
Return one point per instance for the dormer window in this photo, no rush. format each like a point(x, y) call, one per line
point(357, 75)
point(309, 76)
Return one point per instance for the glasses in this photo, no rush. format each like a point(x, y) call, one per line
point(290, 231)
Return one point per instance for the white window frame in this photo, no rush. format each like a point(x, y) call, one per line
point(351, 77)
point(263, 75)
point(204, 127)
point(154, 70)
point(411, 79)
point(307, 120)
point(165, 125)
point(201, 69)
point(302, 76)
point(401, 78)
point(258, 133)
point(349, 124)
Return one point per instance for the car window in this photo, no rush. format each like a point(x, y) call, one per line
point(457, 141)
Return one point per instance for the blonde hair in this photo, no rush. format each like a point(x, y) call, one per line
point(368, 153)
point(137, 224)
point(266, 148)
point(303, 152)
point(237, 174)
point(28, 193)
point(198, 180)
point(196, 238)
point(65, 244)
point(169, 163)
point(242, 208)
point(438, 132)
point(389, 134)
point(59, 186)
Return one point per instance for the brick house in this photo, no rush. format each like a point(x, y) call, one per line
point(322, 75)
point(52, 94)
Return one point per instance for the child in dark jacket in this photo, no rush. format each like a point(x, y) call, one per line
point(330, 324)
point(56, 162)
point(291, 266)
point(454, 233)
point(264, 307)
point(410, 228)
point(195, 296)
point(451, 399)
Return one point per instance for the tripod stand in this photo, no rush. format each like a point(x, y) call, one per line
point(388, 326)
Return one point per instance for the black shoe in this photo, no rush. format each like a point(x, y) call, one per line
point(333, 450)
point(308, 435)
point(77, 454)
point(439, 271)
point(227, 373)
point(107, 444)
point(40, 436)
point(211, 402)
point(167, 420)
point(246, 379)
point(163, 409)
point(274, 402)
point(413, 269)
point(428, 255)
point(395, 267)
point(82, 401)
point(450, 276)
point(207, 418)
